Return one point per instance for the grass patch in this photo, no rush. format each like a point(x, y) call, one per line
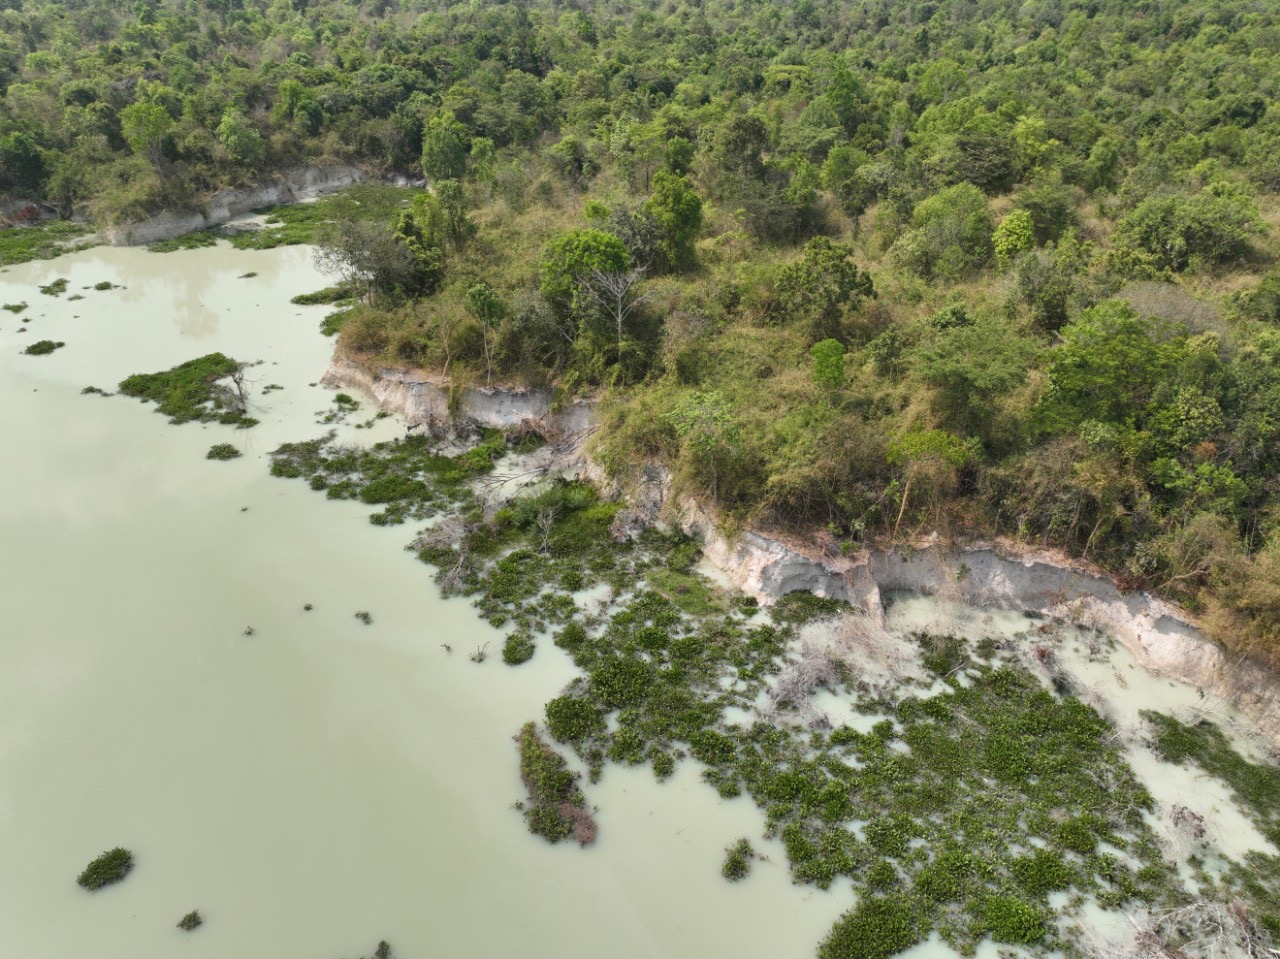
point(112, 866)
point(332, 324)
point(23, 244)
point(43, 347)
point(301, 222)
point(192, 391)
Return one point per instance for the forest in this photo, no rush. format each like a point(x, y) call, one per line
point(863, 270)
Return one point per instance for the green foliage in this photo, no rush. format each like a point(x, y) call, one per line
point(191, 391)
point(444, 147)
point(518, 649)
point(1014, 235)
point(190, 921)
point(25, 243)
point(950, 235)
point(556, 807)
point(222, 451)
point(1179, 229)
point(188, 241)
point(567, 259)
point(43, 347)
point(737, 860)
point(823, 286)
point(676, 209)
point(112, 866)
point(1013, 921)
point(878, 928)
point(828, 364)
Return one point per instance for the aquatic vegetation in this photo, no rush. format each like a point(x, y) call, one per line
point(332, 324)
point(94, 390)
point(190, 921)
point(247, 276)
point(556, 808)
point(330, 294)
point(112, 866)
point(301, 222)
point(518, 648)
point(188, 241)
point(14, 308)
point(979, 794)
point(195, 390)
point(382, 951)
point(43, 347)
point(56, 288)
point(102, 285)
point(222, 451)
point(41, 242)
point(737, 860)
point(365, 617)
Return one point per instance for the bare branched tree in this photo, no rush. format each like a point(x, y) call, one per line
point(1201, 930)
point(616, 293)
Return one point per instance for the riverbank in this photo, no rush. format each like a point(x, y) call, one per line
point(1162, 637)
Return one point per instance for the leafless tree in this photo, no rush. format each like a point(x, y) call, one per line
point(616, 293)
point(1201, 930)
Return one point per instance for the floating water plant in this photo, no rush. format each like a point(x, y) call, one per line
point(190, 921)
point(43, 347)
point(15, 308)
point(517, 649)
point(210, 388)
point(556, 809)
point(56, 288)
point(365, 617)
point(112, 866)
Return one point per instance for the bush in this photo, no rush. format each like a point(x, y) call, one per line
point(571, 720)
point(222, 451)
point(517, 649)
point(1176, 228)
point(43, 347)
point(737, 861)
point(1013, 921)
point(190, 921)
point(112, 866)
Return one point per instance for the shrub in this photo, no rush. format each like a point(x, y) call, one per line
point(877, 929)
point(190, 921)
point(571, 720)
point(112, 866)
point(737, 860)
point(517, 649)
point(1176, 228)
point(1013, 921)
point(222, 451)
point(43, 347)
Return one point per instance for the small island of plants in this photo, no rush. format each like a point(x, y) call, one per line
point(112, 866)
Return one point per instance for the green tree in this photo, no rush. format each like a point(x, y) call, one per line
point(950, 234)
point(423, 231)
point(146, 127)
point(483, 302)
point(928, 456)
point(676, 208)
point(459, 227)
point(1014, 235)
point(444, 147)
point(570, 257)
point(22, 169)
point(708, 433)
point(1177, 228)
point(240, 137)
point(823, 285)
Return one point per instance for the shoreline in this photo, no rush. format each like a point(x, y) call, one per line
point(1163, 637)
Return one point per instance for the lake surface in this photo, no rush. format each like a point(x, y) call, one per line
point(319, 785)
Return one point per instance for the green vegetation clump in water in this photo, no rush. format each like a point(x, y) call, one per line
point(556, 808)
point(193, 391)
point(188, 241)
point(112, 866)
point(517, 649)
point(222, 451)
point(303, 222)
point(56, 288)
point(330, 294)
point(737, 861)
point(14, 308)
point(190, 921)
point(43, 242)
point(43, 347)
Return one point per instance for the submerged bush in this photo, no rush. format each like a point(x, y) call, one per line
point(112, 866)
point(190, 921)
point(222, 451)
point(43, 347)
point(737, 860)
point(517, 649)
